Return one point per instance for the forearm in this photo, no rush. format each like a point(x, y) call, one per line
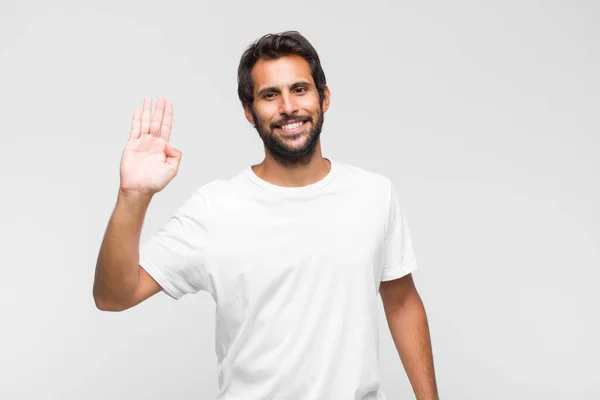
point(118, 259)
point(410, 332)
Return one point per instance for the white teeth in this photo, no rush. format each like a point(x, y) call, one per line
point(291, 126)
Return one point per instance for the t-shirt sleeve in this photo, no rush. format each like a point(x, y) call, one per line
point(175, 255)
point(398, 255)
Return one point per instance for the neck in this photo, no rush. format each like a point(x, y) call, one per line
point(299, 175)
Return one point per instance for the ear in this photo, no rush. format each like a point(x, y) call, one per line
point(326, 98)
point(248, 115)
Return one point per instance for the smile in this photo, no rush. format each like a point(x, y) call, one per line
point(293, 127)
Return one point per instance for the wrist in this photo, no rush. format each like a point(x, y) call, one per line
point(134, 197)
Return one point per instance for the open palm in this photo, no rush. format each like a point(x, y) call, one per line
point(149, 161)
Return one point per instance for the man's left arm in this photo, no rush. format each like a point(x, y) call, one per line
point(408, 325)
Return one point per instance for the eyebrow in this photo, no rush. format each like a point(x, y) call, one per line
point(277, 90)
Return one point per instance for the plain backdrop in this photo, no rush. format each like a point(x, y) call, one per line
point(483, 114)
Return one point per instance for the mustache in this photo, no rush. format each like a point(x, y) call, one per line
point(280, 123)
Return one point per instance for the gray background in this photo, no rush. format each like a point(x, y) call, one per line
point(483, 114)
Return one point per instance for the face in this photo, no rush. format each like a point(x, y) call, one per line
point(286, 110)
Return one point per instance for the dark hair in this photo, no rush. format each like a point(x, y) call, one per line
point(271, 47)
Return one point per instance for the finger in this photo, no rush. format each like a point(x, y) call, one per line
point(146, 111)
point(173, 155)
point(157, 117)
point(171, 151)
point(167, 122)
point(135, 125)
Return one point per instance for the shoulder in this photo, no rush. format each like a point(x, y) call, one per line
point(213, 192)
point(213, 188)
point(364, 179)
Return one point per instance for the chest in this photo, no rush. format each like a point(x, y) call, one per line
point(257, 244)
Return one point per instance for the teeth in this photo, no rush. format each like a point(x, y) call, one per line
point(291, 126)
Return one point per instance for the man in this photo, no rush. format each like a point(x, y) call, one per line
point(294, 250)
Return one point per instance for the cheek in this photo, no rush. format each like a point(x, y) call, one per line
point(309, 103)
point(266, 113)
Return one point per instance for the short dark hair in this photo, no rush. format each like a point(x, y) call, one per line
point(271, 47)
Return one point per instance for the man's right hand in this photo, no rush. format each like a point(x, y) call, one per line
point(149, 161)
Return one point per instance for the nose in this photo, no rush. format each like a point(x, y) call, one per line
point(288, 104)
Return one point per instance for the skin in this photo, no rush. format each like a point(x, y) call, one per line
point(407, 320)
point(149, 163)
point(284, 91)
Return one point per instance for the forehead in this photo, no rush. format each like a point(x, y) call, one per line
point(281, 72)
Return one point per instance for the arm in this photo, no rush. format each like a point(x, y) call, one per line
point(148, 164)
point(407, 321)
point(119, 282)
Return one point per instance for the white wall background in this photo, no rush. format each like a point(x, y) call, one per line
point(484, 114)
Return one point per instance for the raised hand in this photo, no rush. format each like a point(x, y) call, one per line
point(149, 161)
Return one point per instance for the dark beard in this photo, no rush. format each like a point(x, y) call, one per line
point(278, 149)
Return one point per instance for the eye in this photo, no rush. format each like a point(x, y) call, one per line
point(300, 90)
point(269, 96)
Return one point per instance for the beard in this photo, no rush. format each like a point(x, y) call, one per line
point(281, 149)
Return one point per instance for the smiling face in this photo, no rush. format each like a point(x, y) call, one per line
point(286, 110)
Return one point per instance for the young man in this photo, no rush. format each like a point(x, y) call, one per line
point(294, 250)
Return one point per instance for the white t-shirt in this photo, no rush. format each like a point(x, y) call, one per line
point(295, 274)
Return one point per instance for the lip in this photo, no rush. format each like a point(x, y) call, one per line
point(293, 131)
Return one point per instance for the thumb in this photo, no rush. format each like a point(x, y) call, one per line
point(171, 151)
